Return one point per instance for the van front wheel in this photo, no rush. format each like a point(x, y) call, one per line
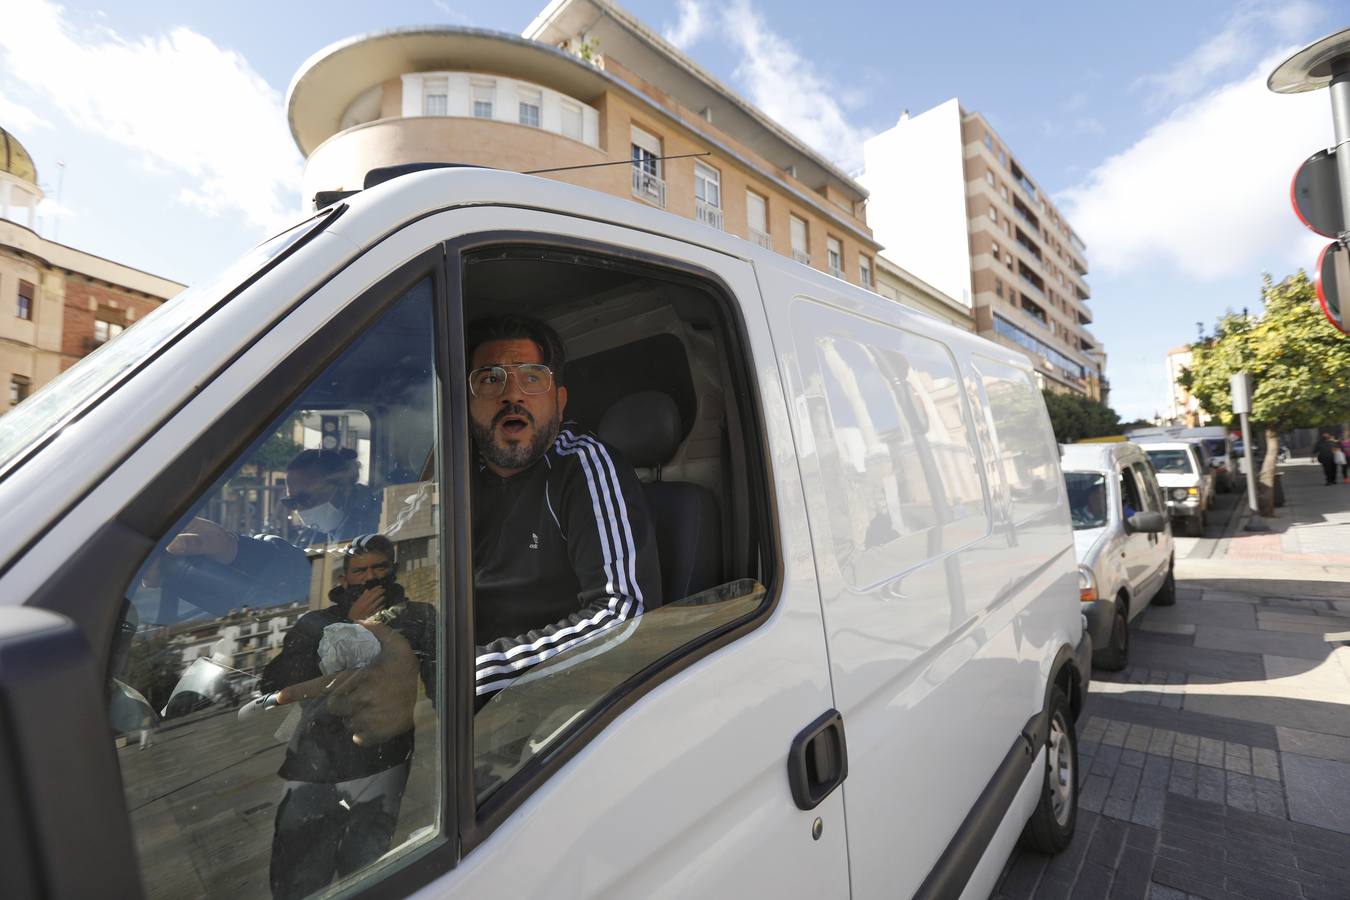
point(1050, 828)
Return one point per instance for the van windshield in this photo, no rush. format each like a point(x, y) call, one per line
point(1171, 461)
point(1087, 499)
point(64, 397)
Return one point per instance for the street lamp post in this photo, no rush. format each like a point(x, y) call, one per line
point(1240, 387)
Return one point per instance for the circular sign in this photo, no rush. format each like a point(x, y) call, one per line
point(1333, 283)
point(1315, 193)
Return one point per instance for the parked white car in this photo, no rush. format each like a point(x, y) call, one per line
point(1187, 482)
point(862, 528)
point(1217, 444)
point(1122, 540)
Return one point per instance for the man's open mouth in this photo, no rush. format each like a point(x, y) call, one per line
point(514, 425)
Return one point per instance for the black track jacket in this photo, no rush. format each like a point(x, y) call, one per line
point(562, 552)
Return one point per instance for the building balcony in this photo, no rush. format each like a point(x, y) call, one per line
point(649, 187)
point(761, 238)
point(801, 256)
point(708, 214)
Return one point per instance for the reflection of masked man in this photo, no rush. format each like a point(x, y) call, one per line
point(341, 800)
point(322, 490)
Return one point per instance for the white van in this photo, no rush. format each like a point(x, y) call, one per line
point(862, 681)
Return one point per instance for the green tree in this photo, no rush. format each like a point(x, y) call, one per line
point(1075, 417)
point(1300, 367)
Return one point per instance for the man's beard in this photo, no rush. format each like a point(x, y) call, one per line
point(517, 455)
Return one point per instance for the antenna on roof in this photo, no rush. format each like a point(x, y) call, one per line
point(619, 162)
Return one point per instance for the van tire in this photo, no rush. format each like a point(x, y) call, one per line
point(1116, 653)
point(1051, 826)
point(1167, 594)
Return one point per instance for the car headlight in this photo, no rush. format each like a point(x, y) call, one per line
point(1087, 585)
point(1178, 494)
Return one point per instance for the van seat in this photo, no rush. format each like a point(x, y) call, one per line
point(645, 428)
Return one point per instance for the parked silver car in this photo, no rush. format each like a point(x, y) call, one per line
point(1122, 539)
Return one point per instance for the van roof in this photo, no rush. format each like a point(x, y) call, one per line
point(1098, 457)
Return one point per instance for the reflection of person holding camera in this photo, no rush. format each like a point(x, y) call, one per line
point(343, 789)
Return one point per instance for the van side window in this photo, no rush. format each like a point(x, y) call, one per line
point(632, 530)
point(1027, 455)
point(902, 444)
point(1130, 500)
point(1148, 488)
point(273, 685)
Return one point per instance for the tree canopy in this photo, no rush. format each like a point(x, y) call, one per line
point(1075, 417)
point(1300, 364)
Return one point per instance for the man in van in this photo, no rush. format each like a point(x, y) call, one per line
point(564, 548)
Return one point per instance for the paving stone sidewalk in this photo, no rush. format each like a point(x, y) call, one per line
point(1217, 765)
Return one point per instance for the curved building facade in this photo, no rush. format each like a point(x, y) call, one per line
point(549, 101)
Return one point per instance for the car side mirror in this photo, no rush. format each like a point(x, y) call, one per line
point(1146, 522)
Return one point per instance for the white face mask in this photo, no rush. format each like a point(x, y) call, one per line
point(325, 517)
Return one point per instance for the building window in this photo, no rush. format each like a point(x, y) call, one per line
point(997, 254)
point(757, 218)
point(801, 251)
point(484, 96)
point(1005, 192)
point(834, 255)
point(708, 195)
point(24, 307)
point(1007, 257)
point(435, 96)
point(988, 141)
point(993, 214)
point(105, 331)
point(19, 387)
point(989, 176)
point(571, 120)
point(530, 102)
point(864, 271)
point(998, 287)
point(1002, 158)
point(646, 155)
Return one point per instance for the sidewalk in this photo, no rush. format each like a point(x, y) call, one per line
point(1217, 764)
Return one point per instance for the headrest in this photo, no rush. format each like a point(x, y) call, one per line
point(644, 427)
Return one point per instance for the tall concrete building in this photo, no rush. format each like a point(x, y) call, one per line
point(951, 204)
point(57, 304)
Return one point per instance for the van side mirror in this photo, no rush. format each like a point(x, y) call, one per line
point(1146, 522)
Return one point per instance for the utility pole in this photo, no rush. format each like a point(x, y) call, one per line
point(1240, 386)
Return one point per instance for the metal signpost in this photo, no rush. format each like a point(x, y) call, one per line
point(1321, 189)
point(1240, 387)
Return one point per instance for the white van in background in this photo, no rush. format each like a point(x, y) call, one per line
point(871, 592)
point(1216, 441)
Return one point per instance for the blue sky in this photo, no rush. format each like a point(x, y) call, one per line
point(1148, 122)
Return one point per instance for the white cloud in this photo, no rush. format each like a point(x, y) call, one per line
point(690, 27)
point(1253, 27)
point(1207, 189)
point(786, 86)
point(15, 117)
point(195, 110)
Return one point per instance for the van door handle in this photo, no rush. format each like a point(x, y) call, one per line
point(818, 760)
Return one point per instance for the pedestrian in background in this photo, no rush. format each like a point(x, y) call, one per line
point(1345, 458)
point(1325, 453)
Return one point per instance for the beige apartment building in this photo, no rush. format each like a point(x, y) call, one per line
point(57, 304)
point(568, 93)
point(954, 207)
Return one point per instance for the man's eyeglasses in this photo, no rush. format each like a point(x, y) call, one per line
point(489, 382)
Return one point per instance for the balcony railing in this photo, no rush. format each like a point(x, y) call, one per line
point(760, 238)
point(836, 272)
point(1027, 219)
point(649, 187)
point(801, 256)
point(708, 214)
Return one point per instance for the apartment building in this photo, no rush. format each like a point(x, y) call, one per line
point(952, 205)
point(568, 93)
point(57, 304)
point(1182, 408)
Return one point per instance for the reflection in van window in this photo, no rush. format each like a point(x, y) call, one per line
point(1028, 460)
point(291, 610)
point(902, 447)
point(1170, 462)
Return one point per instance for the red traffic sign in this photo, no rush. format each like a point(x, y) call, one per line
point(1316, 194)
point(1333, 283)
